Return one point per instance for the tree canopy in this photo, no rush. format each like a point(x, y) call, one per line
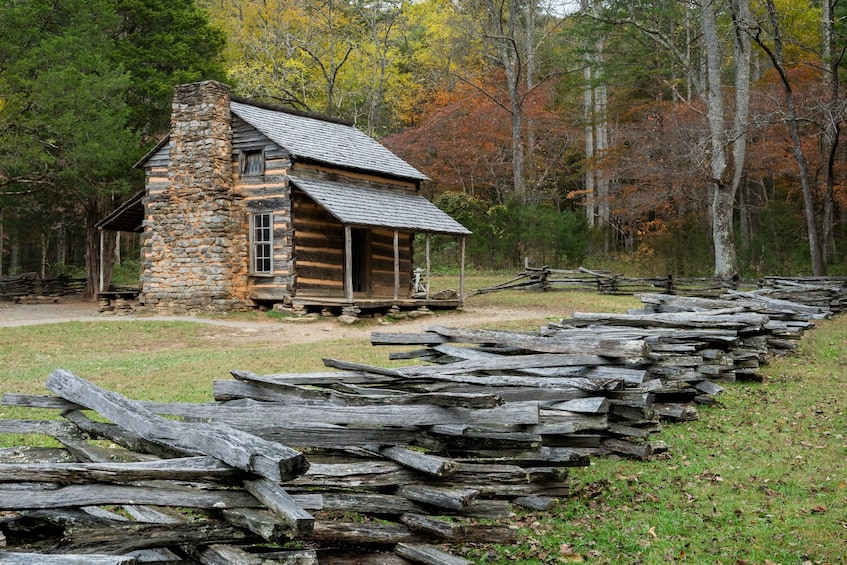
point(84, 88)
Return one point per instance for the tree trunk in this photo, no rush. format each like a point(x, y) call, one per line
point(45, 245)
point(511, 60)
point(2, 241)
point(93, 252)
point(604, 208)
point(62, 246)
point(742, 54)
point(744, 226)
point(528, 47)
point(775, 55)
point(518, 147)
point(722, 198)
point(598, 208)
point(588, 115)
point(832, 130)
point(14, 254)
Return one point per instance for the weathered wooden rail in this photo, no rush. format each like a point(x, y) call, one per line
point(366, 464)
point(250, 493)
point(606, 282)
point(17, 287)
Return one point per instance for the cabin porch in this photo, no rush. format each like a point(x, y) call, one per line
point(374, 305)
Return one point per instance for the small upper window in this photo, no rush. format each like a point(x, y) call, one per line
point(252, 163)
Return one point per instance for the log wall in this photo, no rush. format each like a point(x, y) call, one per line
point(318, 249)
point(319, 255)
point(267, 193)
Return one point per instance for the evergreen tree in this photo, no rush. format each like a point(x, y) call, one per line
point(162, 43)
point(65, 145)
point(80, 81)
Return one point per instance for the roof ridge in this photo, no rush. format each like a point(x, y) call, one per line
point(292, 111)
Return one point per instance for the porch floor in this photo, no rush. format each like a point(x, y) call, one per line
point(366, 304)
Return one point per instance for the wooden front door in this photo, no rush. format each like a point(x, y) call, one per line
point(361, 261)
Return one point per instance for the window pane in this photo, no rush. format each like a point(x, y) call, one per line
point(263, 258)
point(262, 243)
point(253, 163)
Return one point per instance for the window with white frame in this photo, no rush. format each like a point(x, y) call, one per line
point(261, 243)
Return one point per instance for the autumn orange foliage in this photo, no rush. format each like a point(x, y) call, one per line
point(463, 142)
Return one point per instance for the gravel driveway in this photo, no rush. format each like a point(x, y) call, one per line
point(12, 314)
point(285, 330)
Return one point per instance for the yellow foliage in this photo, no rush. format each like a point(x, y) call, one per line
point(800, 25)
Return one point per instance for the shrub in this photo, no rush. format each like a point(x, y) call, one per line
point(504, 234)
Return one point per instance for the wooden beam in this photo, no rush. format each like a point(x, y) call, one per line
point(95, 494)
point(280, 503)
point(102, 266)
point(431, 555)
point(16, 558)
point(428, 266)
point(348, 263)
point(462, 271)
point(183, 469)
point(234, 447)
point(396, 264)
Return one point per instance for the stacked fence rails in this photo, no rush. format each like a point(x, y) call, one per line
point(368, 464)
point(26, 285)
point(825, 292)
point(606, 282)
point(691, 347)
point(390, 474)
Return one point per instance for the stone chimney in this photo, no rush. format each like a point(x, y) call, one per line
point(201, 141)
point(194, 250)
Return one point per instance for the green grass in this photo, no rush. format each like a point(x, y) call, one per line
point(153, 360)
point(759, 479)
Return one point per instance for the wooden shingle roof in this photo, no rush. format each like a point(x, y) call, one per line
point(361, 206)
point(323, 141)
point(127, 217)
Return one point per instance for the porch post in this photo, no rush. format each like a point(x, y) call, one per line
point(348, 263)
point(462, 271)
point(396, 265)
point(102, 268)
point(2, 237)
point(427, 266)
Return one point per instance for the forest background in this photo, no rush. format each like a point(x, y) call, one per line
point(695, 138)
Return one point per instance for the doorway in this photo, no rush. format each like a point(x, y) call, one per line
point(361, 260)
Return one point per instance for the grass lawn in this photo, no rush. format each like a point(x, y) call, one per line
point(759, 479)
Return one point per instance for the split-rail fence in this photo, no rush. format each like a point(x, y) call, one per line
point(368, 464)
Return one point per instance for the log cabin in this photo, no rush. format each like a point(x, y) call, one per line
point(247, 204)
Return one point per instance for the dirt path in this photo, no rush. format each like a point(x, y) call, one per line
point(286, 330)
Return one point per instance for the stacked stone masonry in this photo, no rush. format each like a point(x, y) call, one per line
point(200, 227)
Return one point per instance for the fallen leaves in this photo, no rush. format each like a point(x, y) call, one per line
point(812, 446)
point(568, 554)
point(709, 476)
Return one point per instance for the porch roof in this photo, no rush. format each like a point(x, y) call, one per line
point(127, 217)
point(370, 207)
